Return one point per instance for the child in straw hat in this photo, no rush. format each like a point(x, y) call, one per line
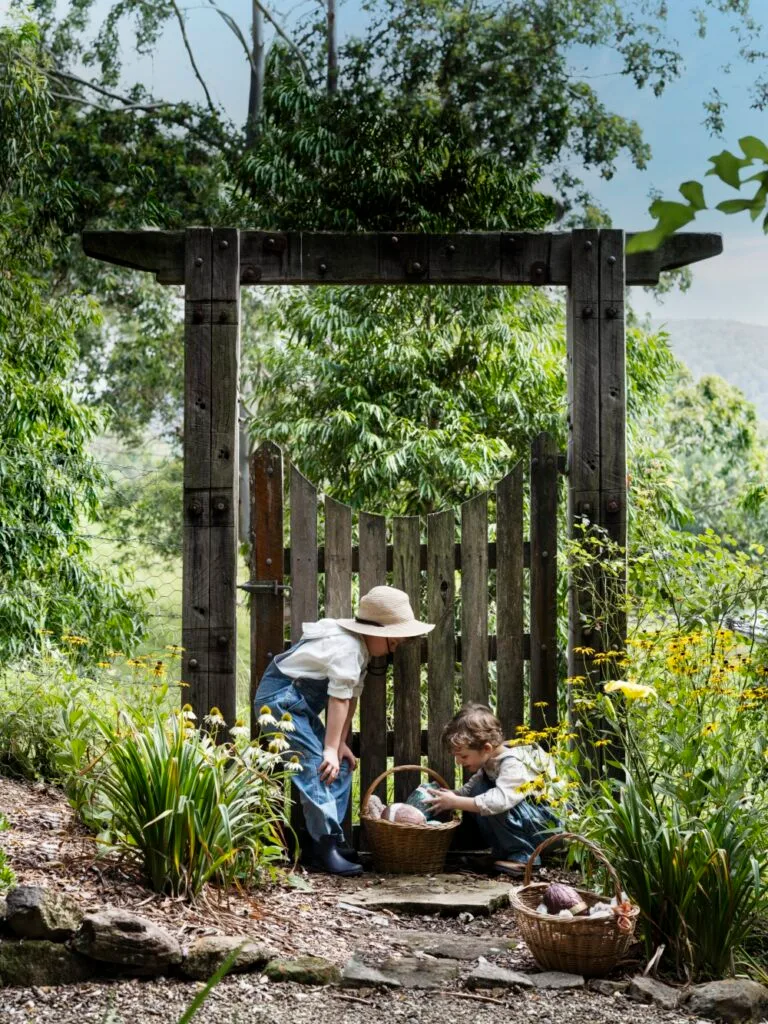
point(325, 670)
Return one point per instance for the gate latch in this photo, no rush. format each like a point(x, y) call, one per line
point(264, 587)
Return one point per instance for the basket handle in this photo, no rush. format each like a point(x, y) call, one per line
point(593, 848)
point(392, 771)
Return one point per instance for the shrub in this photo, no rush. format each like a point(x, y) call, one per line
point(7, 877)
point(190, 809)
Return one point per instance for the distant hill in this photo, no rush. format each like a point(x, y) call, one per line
point(732, 350)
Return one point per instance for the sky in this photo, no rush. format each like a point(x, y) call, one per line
point(733, 286)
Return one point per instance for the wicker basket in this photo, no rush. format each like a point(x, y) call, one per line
point(579, 945)
point(399, 848)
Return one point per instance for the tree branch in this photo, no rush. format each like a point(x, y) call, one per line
point(188, 48)
point(275, 25)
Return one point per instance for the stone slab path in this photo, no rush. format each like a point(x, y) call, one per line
point(446, 895)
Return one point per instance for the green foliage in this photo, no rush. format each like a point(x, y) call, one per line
point(726, 166)
point(191, 810)
point(48, 483)
point(7, 877)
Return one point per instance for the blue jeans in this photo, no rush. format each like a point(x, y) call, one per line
point(515, 834)
point(324, 804)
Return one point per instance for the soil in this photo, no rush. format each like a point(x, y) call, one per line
point(47, 846)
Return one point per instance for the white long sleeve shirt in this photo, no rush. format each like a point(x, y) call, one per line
point(510, 770)
point(333, 653)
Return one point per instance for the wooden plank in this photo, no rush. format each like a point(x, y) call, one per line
point(225, 373)
point(293, 258)
point(441, 672)
point(407, 672)
point(373, 702)
point(338, 551)
point(195, 614)
point(423, 562)
point(338, 579)
point(613, 387)
point(510, 681)
point(543, 583)
point(304, 546)
point(474, 599)
point(267, 614)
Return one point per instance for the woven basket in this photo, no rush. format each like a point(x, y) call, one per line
point(399, 848)
point(578, 945)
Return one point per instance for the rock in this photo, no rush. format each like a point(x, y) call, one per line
point(448, 895)
point(648, 990)
point(447, 945)
point(493, 976)
point(120, 937)
point(37, 962)
point(33, 912)
point(306, 970)
point(731, 1000)
point(207, 954)
point(356, 974)
point(416, 973)
point(556, 980)
point(605, 987)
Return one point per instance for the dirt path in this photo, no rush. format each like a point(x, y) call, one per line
point(47, 846)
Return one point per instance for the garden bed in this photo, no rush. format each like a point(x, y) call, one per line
point(48, 847)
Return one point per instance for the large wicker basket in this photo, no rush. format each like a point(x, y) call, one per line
point(402, 849)
point(579, 945)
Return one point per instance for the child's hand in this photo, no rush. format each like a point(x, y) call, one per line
point(329, 768)
point(442, 800)
point(345, 754)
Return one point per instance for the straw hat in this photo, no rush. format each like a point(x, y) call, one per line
point(386, 611)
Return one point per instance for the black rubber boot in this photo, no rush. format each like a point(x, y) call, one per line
point(347, 852)
point(327, 857)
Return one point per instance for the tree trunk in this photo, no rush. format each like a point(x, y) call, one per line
point(256, 90)
point(333, 56)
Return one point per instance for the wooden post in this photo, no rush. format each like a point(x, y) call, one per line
point(543, 696)
point(211, 334)
point(597, 435)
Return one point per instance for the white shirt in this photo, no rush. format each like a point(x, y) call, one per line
point(511, 769)
point(334, 653)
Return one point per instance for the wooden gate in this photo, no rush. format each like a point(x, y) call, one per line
point(479, 619)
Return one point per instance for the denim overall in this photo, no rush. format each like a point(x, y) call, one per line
point(516, 833)
point(324, 804)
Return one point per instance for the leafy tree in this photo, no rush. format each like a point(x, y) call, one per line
point(49, 485)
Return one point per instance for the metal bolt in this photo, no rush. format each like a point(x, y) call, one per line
point(193, 663)
point(587, 246)
point(543, 647)
point(611, 312)
point(323, 268)
point(198, 261)
point(394, 240)
point(222, 640)
point(450, 250)
point(223, 244)
point(534, 461)
point(545, 554)
point(223, 316)
point(270, 470)
point(251, 273)
point(416, 266)
point(220, 505)
point(611, 260)
point(269, 561)
point(613, 505)
point(587, 312)
point(586, 508)
point(271, 243)
point(195, 508)
point(270, 655)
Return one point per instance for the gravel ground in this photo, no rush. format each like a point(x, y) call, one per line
point(47, 846)
point(244, 1001)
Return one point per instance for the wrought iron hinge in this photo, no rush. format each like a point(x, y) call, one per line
point(264, 586)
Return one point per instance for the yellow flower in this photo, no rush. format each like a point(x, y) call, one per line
point(632, 691)
point(709, 728)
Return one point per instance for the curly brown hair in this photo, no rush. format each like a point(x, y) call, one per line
point(473, 726)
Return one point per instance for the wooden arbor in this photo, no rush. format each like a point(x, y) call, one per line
point(212, 264)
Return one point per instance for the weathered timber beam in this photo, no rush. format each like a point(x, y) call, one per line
point(534, 258)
